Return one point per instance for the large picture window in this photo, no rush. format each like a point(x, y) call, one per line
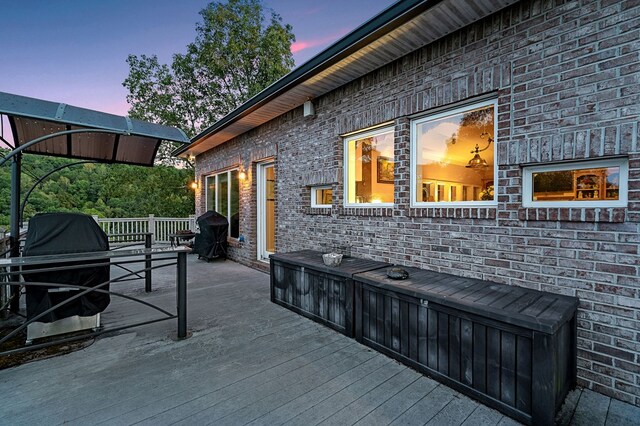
point(223, 196)
point(453, 157)
point(369, 168)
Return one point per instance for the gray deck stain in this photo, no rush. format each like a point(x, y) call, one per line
point(248, 362)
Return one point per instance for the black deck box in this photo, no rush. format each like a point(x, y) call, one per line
point(301, 282)
point(509, 347)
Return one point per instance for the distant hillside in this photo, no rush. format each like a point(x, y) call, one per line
point(106, 190)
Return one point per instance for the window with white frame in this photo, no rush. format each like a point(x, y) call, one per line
point(321, 196)
point(453, 157)
point(369, 168)
point(592, 183)
point(223, 196)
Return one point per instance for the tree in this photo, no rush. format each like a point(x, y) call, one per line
point(238, 51)
point(105, 190)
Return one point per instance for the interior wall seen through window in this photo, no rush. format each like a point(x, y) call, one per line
point(370, 168)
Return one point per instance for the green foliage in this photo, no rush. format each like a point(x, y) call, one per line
point(105, 190)
point(238, 51)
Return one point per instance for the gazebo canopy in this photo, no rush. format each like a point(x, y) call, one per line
point(124, 140)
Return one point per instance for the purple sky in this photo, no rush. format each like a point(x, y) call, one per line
point(74, 51)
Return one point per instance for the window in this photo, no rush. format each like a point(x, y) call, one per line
point(321, 196)
point(453, 157)
point(223, 196)
point(369, 168)
point(595, 183)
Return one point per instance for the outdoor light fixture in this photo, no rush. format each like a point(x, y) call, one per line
point(242, 175)
point(194, 185)
point(308, 109)
point(478, 162)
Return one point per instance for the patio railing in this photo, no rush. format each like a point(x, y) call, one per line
point(160, 227)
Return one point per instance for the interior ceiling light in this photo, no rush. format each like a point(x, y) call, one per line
point(478, 162)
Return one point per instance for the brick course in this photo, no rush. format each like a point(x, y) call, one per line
point(567, 76)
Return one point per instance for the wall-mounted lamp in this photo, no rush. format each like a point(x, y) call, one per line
point(194, 185)
point(192, 157)
point(308, 109)
point(242, 175)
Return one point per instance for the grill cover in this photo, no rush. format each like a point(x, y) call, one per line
point(60, 233)
point(211, 242)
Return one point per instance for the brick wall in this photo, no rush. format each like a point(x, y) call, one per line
point(567, 78)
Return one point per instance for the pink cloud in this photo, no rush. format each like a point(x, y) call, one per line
point(306, 44)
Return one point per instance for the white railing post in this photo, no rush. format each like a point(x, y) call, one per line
point(192, 222)
point(152, 228)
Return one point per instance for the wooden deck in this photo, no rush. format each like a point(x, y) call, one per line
point(249, 361)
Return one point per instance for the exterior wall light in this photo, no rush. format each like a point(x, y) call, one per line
point(194, 185)
point(242, 175)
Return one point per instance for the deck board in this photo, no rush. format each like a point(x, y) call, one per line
point(391, 409)
point(249, 361)
point(427, 407)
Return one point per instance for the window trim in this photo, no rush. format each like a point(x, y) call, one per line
point(413, 156)
point(206, 195)
point(313, 198)
point(529, 170)
point(345, 147)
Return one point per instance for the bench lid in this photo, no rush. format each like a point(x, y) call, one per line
point(313, 259)
point(527, 308)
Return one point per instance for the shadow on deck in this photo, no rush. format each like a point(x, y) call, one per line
point(248, 361)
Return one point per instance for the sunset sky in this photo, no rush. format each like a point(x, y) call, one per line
point(74, 51)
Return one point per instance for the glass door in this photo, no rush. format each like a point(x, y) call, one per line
point(266, 211)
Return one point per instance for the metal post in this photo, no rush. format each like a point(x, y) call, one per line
point(147, 264)
point(182, 294)
point(14, 223)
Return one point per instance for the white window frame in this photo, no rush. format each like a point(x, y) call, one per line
point(527, 183)
point(215, 201)
point(314, 204)
point(413, 157)
point(345, 147)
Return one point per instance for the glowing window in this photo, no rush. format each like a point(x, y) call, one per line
point(453, 157)
point(369, 168)
point(595, 183)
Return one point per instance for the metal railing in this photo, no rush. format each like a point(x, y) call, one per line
point(159, 227)
point(11, 270)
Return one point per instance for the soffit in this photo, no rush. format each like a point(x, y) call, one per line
point(437, 21)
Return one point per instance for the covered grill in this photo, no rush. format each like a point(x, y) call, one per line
point(211, 242)
point(60, 233)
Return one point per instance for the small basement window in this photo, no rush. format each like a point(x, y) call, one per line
point(321, 196)
point(595, 183)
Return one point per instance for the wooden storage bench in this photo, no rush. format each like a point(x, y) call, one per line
point(511, 348)
point(301, 282)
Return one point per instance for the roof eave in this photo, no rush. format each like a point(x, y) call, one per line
point(391, 18)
